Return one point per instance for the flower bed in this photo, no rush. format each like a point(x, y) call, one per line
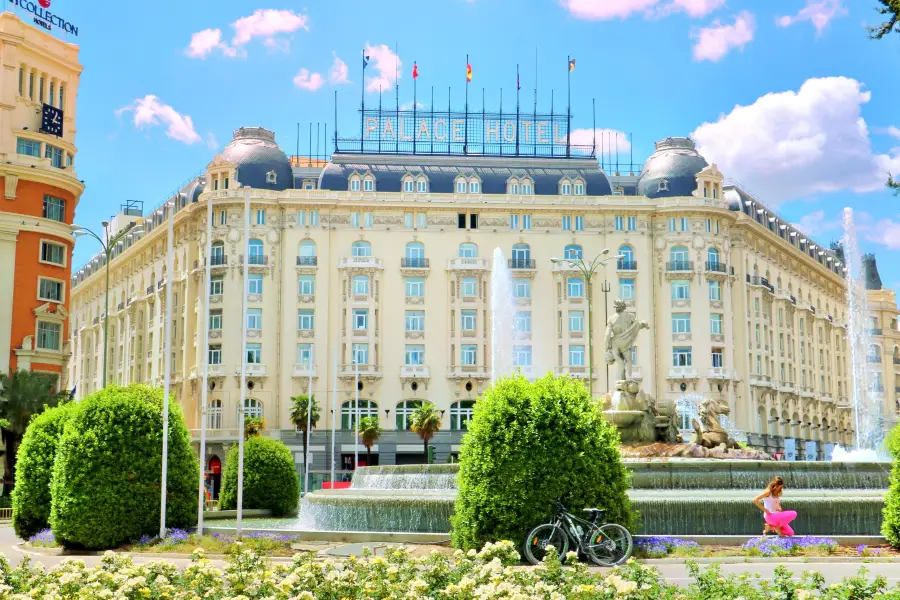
point(179, 541)
point(491, 573)
point(768, 546)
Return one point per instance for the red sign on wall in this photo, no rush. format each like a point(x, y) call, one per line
point(215, 465)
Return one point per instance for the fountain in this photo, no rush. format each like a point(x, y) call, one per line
point(503, 314)
point(867, 407)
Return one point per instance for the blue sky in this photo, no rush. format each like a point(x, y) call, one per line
point(789, 97)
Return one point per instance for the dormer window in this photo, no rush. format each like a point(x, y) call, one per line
point(526, 187)
point(407, 185)
point(421, 186)
point(354, 184)
point(579, 188)
point(565, 188)
point(460, 185)
point(272, 177)
point(368, 184)
point(663, 186)
point(474, 187)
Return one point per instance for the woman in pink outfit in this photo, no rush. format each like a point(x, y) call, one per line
point(769, 502)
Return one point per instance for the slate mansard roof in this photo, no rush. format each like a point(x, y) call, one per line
point(255, 153)
point(671, 170)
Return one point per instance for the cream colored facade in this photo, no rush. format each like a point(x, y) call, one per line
point(885, 351)
point(403, 273)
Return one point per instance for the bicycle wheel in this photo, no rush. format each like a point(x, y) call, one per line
point(543, 537)
point(610, 545)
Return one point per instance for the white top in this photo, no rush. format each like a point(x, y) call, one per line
point(771, 503)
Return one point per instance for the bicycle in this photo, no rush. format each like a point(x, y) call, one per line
point(605, 545)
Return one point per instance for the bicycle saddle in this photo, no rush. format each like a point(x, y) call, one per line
point(594, 511)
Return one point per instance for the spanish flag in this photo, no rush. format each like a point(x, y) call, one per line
point(468, 73)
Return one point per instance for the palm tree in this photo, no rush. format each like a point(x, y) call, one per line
point(301, 415)
point(24, 394)
point(425, 421)
point(369, 431)
point(253, 426)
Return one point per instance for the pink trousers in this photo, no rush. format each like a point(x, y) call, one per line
point(780, 521)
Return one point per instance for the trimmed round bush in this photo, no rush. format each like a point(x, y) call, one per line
point(106, 477)
point(270, 478)
point(890, 524)
point(34, 466)
point(529, 445)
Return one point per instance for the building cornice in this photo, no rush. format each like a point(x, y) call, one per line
point(42, 173)
point(18, 222)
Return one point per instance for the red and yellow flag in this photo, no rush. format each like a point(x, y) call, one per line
point(468, 72)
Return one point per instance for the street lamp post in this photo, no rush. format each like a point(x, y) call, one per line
point(587, 269)
point(606, 289)
point(107, 247)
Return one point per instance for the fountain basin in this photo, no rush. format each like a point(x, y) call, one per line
point(623, 418)
point(425, 511)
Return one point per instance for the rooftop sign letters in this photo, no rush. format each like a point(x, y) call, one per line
point(468, 133)
point(43, 16)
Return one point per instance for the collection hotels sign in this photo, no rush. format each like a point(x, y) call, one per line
point(43, 16)
point(470, 133)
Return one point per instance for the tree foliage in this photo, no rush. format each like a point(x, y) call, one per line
point(253, 426)
point(369, 431)
point(270, 477)
point(24, 394)
point(425, 421)
point(304, 413)
point(891, 182)
point(529, 445)
point(105, 486)
point(890, 525)
point(890, 9)
point(31, 496)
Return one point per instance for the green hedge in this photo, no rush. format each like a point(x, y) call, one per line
point(34, 466)
point(890, 526)
point(270, 477)
point(106, 477)
point(528, 445)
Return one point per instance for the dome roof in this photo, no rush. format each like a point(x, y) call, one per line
point(255, 153)
point(671, 170)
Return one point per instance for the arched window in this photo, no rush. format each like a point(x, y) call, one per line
point(578, 187)
point(359, 249)
point(468, 250)
point(521, 252)
point(712, 256)
point(367, 408)
point(474, 185)
point(214, 414)
point(415, 256)
point(218, 253)
point(512, 186)
point(404, 412)
point(573, 251)
point(253, 408)
point(408, 184)
point(369, 184)
point(527, 186)
point(421, 185)
point(460, 185)
point(461, 414)
point(354, 183)
point(874, 353)
point(565, 187)
point(678, 256)
point(256, 253)
point(627, 260)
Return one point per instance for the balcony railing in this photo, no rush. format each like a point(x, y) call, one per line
point(520, 263)
point(365, 370)
point(461, 262)
point(307, 261)
point(877, 388)
point(414, 372)
point(682, 372)
point(626, 265)
point(408, 262)
point(876, 331)
point(252, 370)
point(257, 260)
point(680, 265)
point(304, 370)
point(218, 260)
point(873, 359)
point(360, 261)
point(716, 267)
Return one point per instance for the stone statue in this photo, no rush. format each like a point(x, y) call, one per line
point(708, 431)
point(621, 331)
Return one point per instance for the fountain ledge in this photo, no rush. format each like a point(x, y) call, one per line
point(347, 537)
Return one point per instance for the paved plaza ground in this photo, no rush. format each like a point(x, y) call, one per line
point(673, 572)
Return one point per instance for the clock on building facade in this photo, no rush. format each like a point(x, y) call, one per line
point(52, 120)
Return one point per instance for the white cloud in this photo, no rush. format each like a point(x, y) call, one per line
point(263, 23)
point(816, 225)
point(308, 81)
point(211, 142)
point(149, 111)
point(893, 132)
point(409, 106)
point(818, 12)
point(715, 41)
point(339, 72)
point(885, 232)
point(385, 64)
point(605, 139)
point(792, 145)
point(601, 10)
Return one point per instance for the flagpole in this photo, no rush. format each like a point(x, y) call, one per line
point(334, 413)
point(241, 426)
point(362, 113)
point(204, 395)
point(309, 401)
point(568, 105)
point(594, 128)
point(415, 85)
point(431, 108)
point(466, 142)
point(517, 110)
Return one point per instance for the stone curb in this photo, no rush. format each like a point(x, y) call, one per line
point(733, 560)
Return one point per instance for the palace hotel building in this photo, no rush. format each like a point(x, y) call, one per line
point(38, 90)
point(382, 263)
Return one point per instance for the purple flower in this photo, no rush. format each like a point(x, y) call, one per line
point(861, 549)
point(778, 546)
point(44, 537)
point(176, 536)
point(146, 540)
point(662, 545)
